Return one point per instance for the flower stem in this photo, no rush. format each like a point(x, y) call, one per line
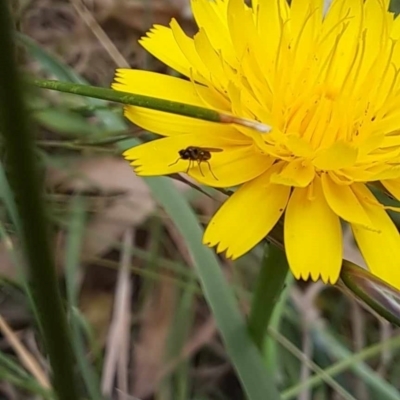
point(130, 99)
point(383, 298)
point(153, 103)
point(270, 281)
point(24, 179)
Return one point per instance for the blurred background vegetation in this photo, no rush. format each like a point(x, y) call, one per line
point(127, 274)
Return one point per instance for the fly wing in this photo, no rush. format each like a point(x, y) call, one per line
point(211, 149)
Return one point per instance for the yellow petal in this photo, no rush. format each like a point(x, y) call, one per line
point(211, 57)
point(231, 163)
point(298, 146)
point(389, 173)
point(160, 86)
point(344, 202)
point(389, 123)
point(381, 247)
point(240, 15)
point(393, 185)
point(297, 173)
point(339, 155)
point(199, 71)
point(215, 27)
point(344, 42)
point(168, 124)
point(306, 18)
point(247, 216)
point(160, 42)
point(313, 239)
point(271, 16)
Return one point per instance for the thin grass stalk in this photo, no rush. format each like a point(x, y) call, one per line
point(152, 103)
point(128, 98)
point(269, 286)
point(24, 179)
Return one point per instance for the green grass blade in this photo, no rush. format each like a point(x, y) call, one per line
point(12, 372)
point(49, 62)
point(269, 286)
point(9, 365)
point(72, 259)
point(26, 384)
point(377, 385)
point(350, 362)
point(7, 197)
point(245, 357)
point(64, 73)
point(271, 349)
point(178, 335)
point(66, 123)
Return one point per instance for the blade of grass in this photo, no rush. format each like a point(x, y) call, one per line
point(271, 350)
point(184, 317)
point(24, 180)
point(48, 61)
point(23, 354)
point(8, 363)
point(26, 384)
point(383, 389)
point(256, 381)
point(63, 72)
point(7, 197)
point(12, 372)
point(178, 336)
point(72, 259)
point(21, 280)
point(349, 362)
point(270, 281)
point(312, 365)
point(66, 123)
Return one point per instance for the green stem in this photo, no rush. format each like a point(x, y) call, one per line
point(373, 291)
point(24, 179)
point(131, 99)
point(269, 285)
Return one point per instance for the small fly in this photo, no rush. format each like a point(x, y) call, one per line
point(199, 155)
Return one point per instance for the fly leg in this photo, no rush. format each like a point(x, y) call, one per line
point(199, 164)
point(212, 173)
point(176, 162)
point(189, 166)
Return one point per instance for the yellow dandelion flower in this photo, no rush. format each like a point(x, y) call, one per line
point(326, 81)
